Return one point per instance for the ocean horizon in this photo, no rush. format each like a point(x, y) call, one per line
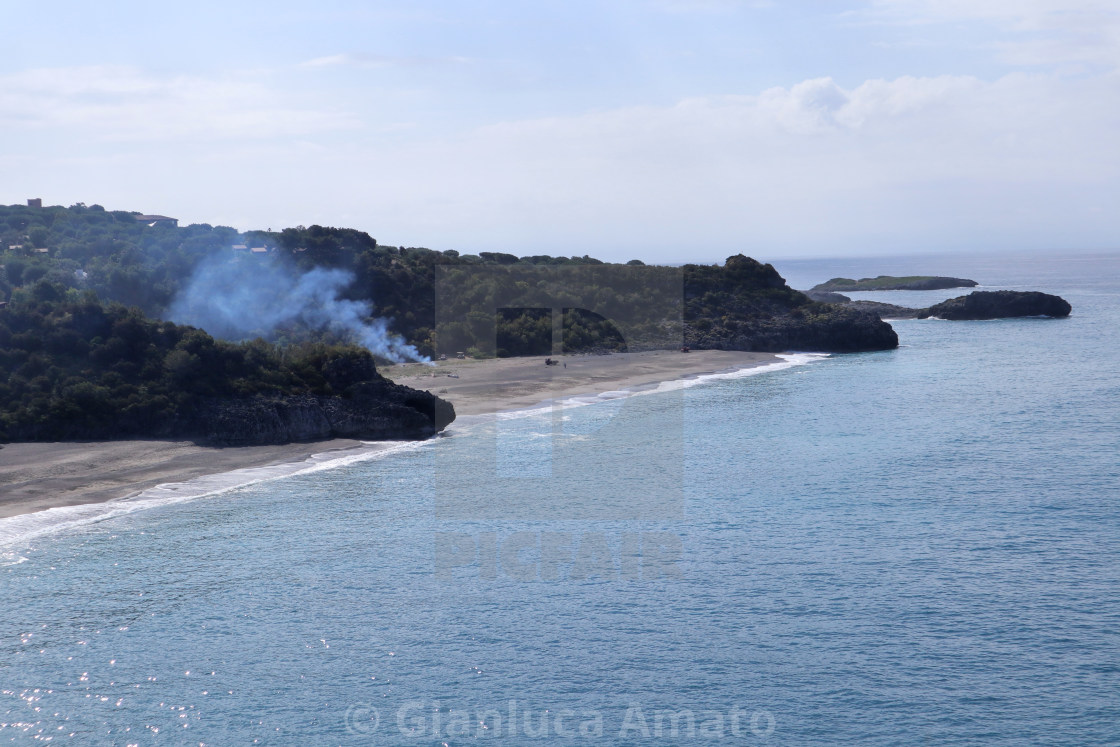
point(915, 546)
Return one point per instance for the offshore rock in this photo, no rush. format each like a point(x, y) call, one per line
point(889, 282)
point(999, 305)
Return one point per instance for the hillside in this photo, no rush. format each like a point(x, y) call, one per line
point(388, 294)
point(73, 368)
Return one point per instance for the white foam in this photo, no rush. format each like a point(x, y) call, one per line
point(19, 530)
point(11, 558)
point(548, 406)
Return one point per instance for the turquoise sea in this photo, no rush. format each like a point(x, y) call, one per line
point(914, 547)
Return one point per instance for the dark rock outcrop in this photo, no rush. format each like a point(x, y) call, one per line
point(826, 296)
point(375, 410)
point(885, 310)
point(746, 305)
point(999, 305)
point(827, 328)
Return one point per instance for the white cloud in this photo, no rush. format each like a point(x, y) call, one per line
point(1041, 32)
point(816, 167)
point(711, 6)
point(124, 103)
point(913, 161)
point(375, 61)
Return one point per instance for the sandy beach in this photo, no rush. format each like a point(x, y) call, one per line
point(38, 476)
point(482, 386)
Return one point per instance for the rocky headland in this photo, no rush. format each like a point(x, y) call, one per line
point(373, 411)
point(746, 305)
point(80, 370)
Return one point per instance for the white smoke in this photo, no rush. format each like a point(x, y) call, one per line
point(246, 297)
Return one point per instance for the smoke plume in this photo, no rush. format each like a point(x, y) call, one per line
point(249, 297)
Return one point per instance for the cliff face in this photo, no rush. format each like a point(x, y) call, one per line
point(831, 330)
point(746, 305)
point(999, 305)
point(374, 411)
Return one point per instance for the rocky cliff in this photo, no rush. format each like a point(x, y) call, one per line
point(746, 305)
point(999, 305)
point(376, 410)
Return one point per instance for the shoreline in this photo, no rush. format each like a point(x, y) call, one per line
point(37, 478)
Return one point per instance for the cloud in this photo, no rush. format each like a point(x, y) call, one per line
point(1040, 32)
point(813, 167)
point(376, 61)
point(125, 103)
point(930, 161)
point(712, 6)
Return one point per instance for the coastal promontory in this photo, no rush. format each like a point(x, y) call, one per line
point(113, 327)
point(747, 305)
point(82, 370)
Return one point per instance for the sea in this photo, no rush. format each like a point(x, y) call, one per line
point(912, 547)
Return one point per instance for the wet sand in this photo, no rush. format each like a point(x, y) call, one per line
point(38, 476)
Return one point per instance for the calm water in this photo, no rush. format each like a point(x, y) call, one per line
point(911, 547)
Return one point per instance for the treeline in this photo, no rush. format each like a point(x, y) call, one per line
point(493, 296)
point(75, 368)
point(127, 261)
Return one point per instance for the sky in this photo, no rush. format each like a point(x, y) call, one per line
point(663, 130)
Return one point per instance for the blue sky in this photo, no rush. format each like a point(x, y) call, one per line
point(669, 130)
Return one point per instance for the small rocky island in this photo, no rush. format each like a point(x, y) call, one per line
point(999, 305)
point(889, 282)
point(977, 305)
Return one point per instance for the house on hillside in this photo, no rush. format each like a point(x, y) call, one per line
point(157, 220)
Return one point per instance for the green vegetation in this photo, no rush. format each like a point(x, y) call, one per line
point(888, 282)
point(129, 262)
point(82, 357)
point(74, 368)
